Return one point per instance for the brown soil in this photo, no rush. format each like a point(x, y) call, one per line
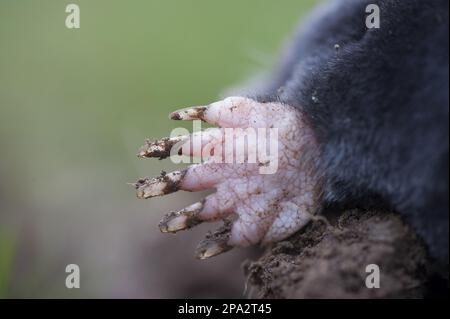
point(329, 261)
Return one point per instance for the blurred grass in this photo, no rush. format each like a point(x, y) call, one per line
point(7, 254)
point(76, 104)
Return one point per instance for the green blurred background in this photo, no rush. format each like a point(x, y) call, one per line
point(75, 105)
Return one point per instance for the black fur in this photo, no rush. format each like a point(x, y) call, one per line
point(378, 101)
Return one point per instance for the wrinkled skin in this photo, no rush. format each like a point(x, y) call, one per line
point(263, 201)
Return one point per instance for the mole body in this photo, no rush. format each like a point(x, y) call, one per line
point(379, 106)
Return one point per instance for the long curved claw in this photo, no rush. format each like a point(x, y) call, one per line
point(159, 148)
point(189, 114)
point(181, 220)
point(215, 243)
point(161, 185)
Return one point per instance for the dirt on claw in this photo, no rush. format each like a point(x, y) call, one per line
point(215, 243)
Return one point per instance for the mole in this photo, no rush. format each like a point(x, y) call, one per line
point(361, 118)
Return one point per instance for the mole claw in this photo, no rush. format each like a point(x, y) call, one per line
point(159, 148)
point(191, 113)
point(265, 206)
point(210, 248)
point(215, 243)
point(157, 186)
point(183, 219)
